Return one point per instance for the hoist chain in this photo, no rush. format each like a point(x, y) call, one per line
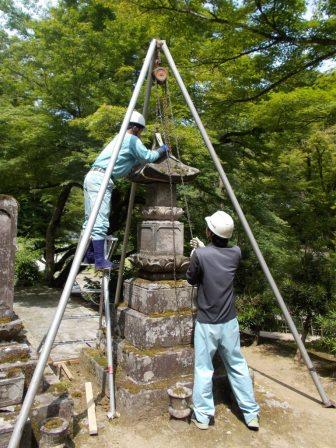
point(179, 157)
point(162, 113)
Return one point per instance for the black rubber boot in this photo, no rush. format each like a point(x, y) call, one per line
point(99, 255)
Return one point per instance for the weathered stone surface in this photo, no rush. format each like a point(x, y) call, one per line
point(157, 237)
point(144, 332)
point(51, 405)
point(160, 267)
point(151, 366)
point(142, 401)
point(165, 170)
point(8, 222)
point(12, 352)
point(151, 297)
point(161, 213)
point(90, 360)
point(160, 195)
point(11, 388)
point(7, 422)
point(11, 330)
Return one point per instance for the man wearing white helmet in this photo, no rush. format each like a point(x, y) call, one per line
point(132, 153)
point(213, 269)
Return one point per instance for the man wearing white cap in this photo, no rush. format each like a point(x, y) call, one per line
point(213, 269)
point(132, 152)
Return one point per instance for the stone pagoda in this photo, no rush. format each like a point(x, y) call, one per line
point(157, 319)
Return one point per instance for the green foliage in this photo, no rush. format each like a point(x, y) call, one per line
point(328, 332)
point(26, 269)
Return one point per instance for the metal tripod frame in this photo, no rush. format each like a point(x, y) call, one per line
point(38, 373)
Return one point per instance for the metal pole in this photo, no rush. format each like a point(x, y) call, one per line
point(110, 245)
point(327, 402)
point(37, 377)
point(109, 342)
point(132, 196)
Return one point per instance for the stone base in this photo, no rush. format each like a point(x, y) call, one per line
point(153, 297)
point(144, 367)
point(164, 330)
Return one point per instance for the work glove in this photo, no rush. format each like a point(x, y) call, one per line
point(163, 150)
point(196, 242)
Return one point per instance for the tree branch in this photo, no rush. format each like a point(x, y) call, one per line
point(288, 75)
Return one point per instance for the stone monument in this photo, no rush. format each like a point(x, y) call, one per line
point(8, 223)
point(157, 318)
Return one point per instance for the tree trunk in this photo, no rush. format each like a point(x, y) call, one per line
point(52, 228)
point(305, 331)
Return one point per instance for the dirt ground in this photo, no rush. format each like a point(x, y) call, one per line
point(291, 414)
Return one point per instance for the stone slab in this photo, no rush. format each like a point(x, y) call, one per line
point(11, 388)
point(150, 297)
point(149, 366)
point(7, 422)
point(163, 331)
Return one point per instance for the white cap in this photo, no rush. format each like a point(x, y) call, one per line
point(137, 118)
point(221, 224)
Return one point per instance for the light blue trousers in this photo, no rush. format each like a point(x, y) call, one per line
point(224, 337)
point(92, 183)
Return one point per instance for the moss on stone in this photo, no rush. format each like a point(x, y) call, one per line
point(170, 313)
point(5, 320)
point(129, 348)
point(11, 358)
point(77, 394)
point(134, 388)
point(13, 373)
point(53, 423)
point(98, 356)
point(59, 388)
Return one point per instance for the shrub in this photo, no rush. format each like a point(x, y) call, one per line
point(26, 268)
point(328, 333)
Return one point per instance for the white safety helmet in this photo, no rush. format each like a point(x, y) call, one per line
point(221, 224)
point(137, 118)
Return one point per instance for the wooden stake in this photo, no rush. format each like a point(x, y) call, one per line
point(66, 371)
point(91, 410)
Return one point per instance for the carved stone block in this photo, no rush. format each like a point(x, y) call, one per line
point(150, 366)
point(159, 237)
point(150, 297)
point(145, 332)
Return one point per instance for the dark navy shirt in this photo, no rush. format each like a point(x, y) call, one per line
point(213, 269)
